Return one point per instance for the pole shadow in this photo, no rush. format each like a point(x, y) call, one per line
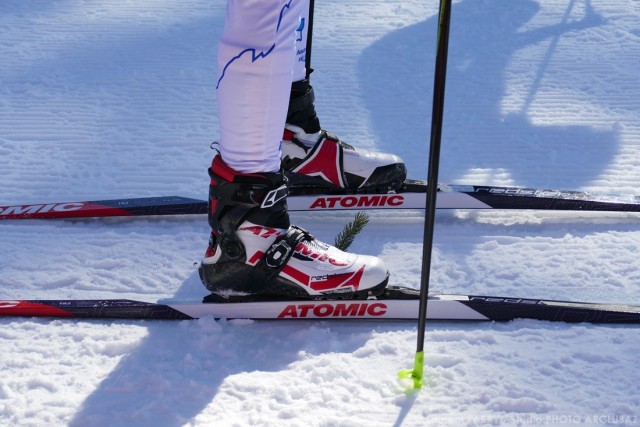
point(479, 132)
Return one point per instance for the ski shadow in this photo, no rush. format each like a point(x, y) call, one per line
point(179, 367)
point(482, 128)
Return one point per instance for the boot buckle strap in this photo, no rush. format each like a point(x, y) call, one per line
point(281, 251)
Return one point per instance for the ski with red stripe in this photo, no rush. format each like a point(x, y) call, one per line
point(399, 304)
point(411, 197)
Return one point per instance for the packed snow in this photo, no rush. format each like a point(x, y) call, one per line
point(109, 98)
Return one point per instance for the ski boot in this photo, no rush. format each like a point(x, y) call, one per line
point(255, 254)
point(314, 159)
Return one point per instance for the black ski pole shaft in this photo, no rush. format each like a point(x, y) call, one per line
point(444, 18)
point(307, 55)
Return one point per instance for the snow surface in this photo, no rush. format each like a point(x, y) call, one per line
point(111, 98)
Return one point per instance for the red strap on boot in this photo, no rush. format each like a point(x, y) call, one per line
point(224, 171)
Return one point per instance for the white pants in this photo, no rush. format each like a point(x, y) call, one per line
point(261, 52)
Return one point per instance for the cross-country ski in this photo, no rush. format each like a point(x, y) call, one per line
point(413, 197)
point(469, 308)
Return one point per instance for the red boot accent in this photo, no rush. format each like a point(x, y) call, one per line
point(324, 162)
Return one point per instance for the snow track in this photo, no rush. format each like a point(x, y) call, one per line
point(110, 99)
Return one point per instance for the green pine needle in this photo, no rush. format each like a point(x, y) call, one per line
point(346, 237)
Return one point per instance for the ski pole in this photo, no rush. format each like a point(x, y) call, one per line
point(444, 18)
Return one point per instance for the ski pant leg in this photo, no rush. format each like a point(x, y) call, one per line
point(256, 56)
point(299, 67)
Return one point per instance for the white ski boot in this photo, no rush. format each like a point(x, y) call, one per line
point(255, 254)
point(317, 160)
